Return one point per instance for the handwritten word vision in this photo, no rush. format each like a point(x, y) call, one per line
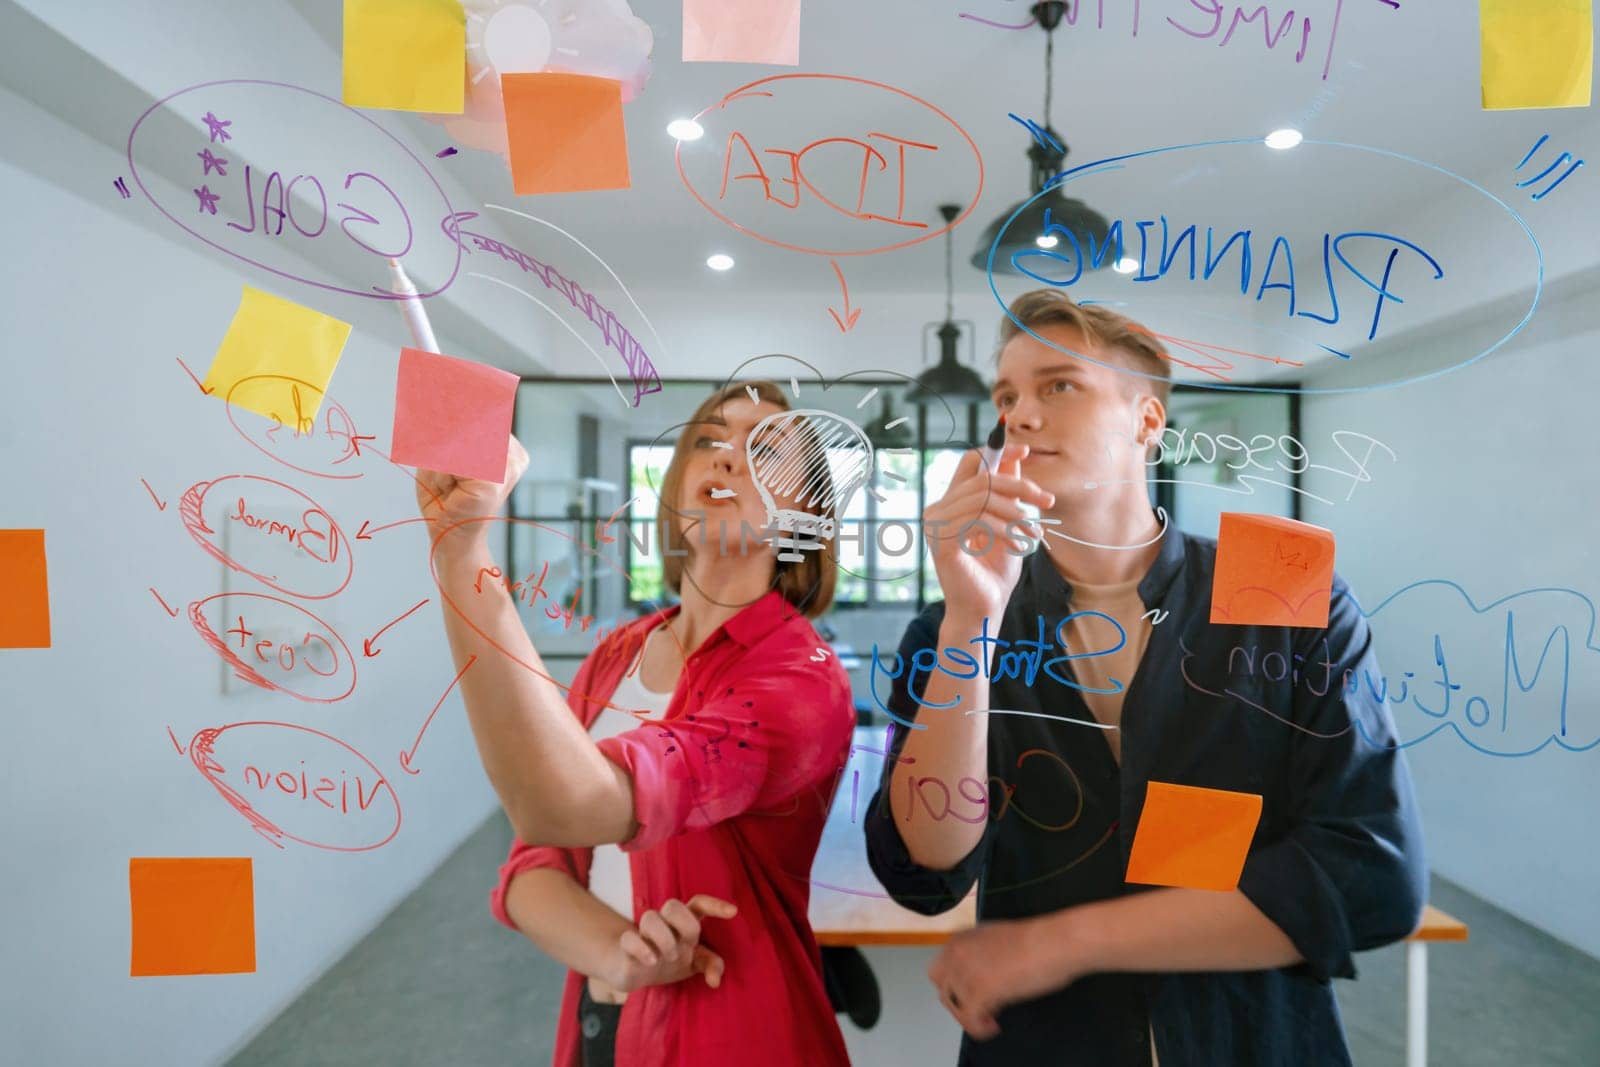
point(643, 372)
point(1071, 266)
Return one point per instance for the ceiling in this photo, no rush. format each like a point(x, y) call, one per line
point(1400, 99)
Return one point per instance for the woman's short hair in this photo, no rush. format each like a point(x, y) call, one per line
point(808, 585)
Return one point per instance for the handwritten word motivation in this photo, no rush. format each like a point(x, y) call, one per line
point(1217, 248)
point(359, 191)
point(643, 372)
point(1499, 675)
point(769, 130)
point(998, 660)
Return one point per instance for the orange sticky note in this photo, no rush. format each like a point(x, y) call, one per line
point(452, 415)
point(192, 916)
point(24, 590)
point(741, 31)
point(1271, 572)
point(1193, 838)
point(566, 133)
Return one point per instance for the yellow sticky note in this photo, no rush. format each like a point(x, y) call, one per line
point(406, 55)
point(1536, 53)
point(273, 348)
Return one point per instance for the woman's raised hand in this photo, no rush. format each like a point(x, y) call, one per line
point(447, 499)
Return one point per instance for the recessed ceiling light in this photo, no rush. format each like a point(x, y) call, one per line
point(719, 261)
point(1284, 138)
point(1047, 240)
point(685, 129)
point(1126, 265)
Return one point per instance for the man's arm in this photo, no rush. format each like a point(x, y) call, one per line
point(1168, 930)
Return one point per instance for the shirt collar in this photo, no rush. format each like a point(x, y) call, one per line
point(1152, 587)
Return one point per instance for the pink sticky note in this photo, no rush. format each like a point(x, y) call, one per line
point(452, 415)
point(741, 31)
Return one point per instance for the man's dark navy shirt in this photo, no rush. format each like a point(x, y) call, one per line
point(1286, 713)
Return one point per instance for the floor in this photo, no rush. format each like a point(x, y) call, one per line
point(439, 982)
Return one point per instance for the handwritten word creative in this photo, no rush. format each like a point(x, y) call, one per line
point(270, 339)
point(320, 211)
point(25, 622)
point(300, 784)
point(191, 915)
point(758, 182)
point(643, 372)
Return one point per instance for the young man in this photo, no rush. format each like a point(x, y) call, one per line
point(1048, 691)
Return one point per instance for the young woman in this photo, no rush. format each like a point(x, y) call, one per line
point(717, 795)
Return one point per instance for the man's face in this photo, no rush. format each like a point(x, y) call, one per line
point(1082, 423)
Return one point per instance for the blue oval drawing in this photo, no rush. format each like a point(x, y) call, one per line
point(374, 292)
point(1114, 163)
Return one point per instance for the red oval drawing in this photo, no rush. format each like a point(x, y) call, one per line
point(787, 163)
point(279, 663)
point(265, 530)
point(495, 576)
point(313, 795)
point(338, 436)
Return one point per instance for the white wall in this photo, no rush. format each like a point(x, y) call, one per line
point(1495, 488)
point(90, 777)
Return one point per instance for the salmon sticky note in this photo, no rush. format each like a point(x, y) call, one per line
point(24, 590)
point(1193, 838)
point(566, 133)
point(406, 55)
point(192, 916)
point(1271, 572)
point(452, 415)
point(278, 345)
point(1536, 53)
point(741, 31)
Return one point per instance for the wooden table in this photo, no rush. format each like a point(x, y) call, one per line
point(849, 907)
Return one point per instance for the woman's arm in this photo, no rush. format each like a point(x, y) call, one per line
point(574, 927)
point(555, 785)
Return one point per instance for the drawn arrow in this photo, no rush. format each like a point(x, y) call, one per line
point(171, 613)
point(407, 757)
point(849, 316)
point(160, 504)
point(365, 534)
point(193, 379)
point(366, 643)
point(600, 535)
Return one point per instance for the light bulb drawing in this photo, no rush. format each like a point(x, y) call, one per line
point(807, 464)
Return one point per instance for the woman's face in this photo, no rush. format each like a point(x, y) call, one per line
point(717, 482)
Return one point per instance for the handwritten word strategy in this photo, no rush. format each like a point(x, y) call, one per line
point(641, 370)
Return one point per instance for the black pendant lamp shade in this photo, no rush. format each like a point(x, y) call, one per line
point(1046, 216)
point(949, 379)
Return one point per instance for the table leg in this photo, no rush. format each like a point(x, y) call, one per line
point(1416, 1004)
